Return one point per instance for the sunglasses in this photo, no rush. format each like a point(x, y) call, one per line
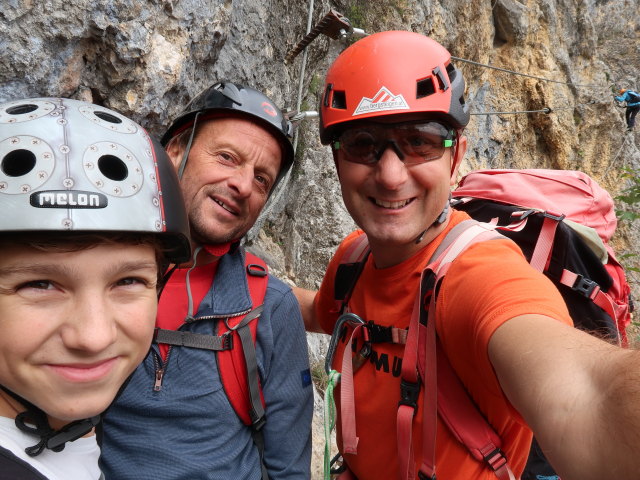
point(414, 143)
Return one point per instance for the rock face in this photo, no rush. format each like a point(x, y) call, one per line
point(147, 59)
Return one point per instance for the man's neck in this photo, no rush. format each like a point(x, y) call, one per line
point(385, 255)
point(206, 254)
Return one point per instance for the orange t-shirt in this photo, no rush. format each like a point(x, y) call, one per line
point(487, 285)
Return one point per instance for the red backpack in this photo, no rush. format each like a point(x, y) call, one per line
point(562, 220)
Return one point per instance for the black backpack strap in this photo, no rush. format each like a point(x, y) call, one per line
point(256, 409)
point(349, 270)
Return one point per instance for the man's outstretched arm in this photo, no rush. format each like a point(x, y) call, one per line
point(306, 299)
point(580, 395)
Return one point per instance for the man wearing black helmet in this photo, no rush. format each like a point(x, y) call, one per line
point(497, 330)
point(225, 392)
point(92, 216)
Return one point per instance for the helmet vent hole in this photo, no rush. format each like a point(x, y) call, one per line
point(424, 88)
point(113, 168)
point(18, 163)
point(339, 100)
point(107, 117)
point(452, 72)
point(327, 91)
point(22, 109)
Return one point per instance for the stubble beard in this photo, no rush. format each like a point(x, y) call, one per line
point(209, 235)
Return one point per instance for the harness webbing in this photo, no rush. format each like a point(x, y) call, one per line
point(201, 341)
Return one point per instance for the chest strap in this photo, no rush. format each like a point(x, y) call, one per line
point(178, 338)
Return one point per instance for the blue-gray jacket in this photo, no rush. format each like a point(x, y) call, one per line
point(630, 97)
point(188, 429)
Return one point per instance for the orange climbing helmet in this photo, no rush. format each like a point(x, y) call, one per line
point(392, 73)
point(622, 90)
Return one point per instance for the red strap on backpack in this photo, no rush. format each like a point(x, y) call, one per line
point(581, 201)
point(239, 382)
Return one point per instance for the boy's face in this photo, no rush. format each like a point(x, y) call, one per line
point(73, 325)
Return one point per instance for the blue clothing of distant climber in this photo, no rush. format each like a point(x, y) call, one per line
point(633, 106)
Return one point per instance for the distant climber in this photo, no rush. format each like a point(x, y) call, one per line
point(633, 106)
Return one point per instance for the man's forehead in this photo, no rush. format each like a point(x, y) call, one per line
point(241, 134)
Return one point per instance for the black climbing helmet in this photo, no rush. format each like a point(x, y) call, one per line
point(239, 99)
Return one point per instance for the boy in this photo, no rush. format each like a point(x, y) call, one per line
point(92, 216)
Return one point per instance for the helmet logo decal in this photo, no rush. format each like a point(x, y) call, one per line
point(383, 100)
point(268, 109)
point(68, 199)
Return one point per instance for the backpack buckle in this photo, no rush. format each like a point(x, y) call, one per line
point(259, 423)
point(227, 341)
point(558, 217)
point(584, 286)
point(409, 392)
point(495, 459)
point(256, 270)
point(378, 333)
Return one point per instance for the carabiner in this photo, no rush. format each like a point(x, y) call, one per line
point(350, 318)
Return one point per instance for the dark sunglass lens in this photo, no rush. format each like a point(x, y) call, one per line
point(359, 146)
point(422, 145)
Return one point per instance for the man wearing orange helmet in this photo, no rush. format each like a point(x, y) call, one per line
point(633, 106)
point(393, 112)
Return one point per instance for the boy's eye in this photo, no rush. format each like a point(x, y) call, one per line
point(38, 285)
point(131, 281)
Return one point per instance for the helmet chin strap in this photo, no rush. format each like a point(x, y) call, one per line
point(34, 422)
point(439, 221)
point(185, 155)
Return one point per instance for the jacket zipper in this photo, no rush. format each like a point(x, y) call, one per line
point(160, 367)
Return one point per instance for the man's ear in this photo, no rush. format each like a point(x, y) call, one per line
point(459, 151)
point(175, 150)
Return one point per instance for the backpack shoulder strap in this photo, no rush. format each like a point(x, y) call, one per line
point(238, 367)
point(452, 401)
point(454, 405)
point(349, 270)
